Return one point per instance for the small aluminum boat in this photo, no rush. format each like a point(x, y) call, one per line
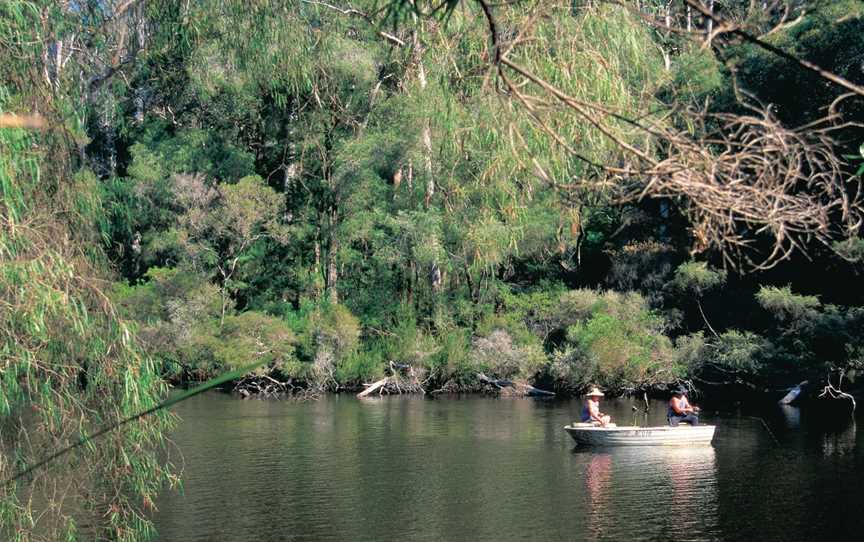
point(587, 434)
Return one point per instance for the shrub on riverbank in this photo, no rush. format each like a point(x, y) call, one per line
point(567, 339)
point(179, 317)
point(500, 355)
point(616, 341)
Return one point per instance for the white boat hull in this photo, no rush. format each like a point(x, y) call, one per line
point(589, 435)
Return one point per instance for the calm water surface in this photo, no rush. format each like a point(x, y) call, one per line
point(488, 469)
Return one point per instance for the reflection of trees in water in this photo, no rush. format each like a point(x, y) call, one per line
point(835, 434)
point(656, 492)
point(841, 442)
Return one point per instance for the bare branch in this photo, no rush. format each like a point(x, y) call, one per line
point(724, 26)
point(357, 13)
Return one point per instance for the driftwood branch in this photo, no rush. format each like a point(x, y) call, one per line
point(373, 387)
point(835, 393)
point(403, 379)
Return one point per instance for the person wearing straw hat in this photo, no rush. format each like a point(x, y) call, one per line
point(591, 412)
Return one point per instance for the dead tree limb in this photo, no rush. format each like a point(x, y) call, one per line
point(835, 393)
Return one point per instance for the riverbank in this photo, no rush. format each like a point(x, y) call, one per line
point(404, 380)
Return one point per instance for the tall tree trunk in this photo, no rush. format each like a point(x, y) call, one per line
point(710, 20)
point(667, 55)
point(470, 282)
point(426, 137)
point(410, 177)
point(316, 270)
point(332, 271)
point(223, 293)
point(107, 161)
point(332, 274)
point(289, 180)
point(427, 158)
point(434, 280)
point(411, 275)
point(139, 106)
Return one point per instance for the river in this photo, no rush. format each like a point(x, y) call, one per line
point(476, 468)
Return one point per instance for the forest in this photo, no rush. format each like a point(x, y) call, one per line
point(310, 196)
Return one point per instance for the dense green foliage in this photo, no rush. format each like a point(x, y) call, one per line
point(335, 195)
point(302, 187)
point(384, 246)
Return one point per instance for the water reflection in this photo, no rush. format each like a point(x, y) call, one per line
point(791, 415)
point(693, 507)
point(479, 469)
point(598, 474)
point(841, 442)
point(663, 492)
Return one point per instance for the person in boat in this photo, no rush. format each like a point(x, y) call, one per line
point(680, 409)
point(591, 412)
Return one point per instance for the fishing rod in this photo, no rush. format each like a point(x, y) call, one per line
point(210, 384)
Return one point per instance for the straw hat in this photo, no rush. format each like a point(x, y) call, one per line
point(595, 392)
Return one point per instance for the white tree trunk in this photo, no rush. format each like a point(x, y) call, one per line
point(710, 20)
point(427, 127)
point(332, 271)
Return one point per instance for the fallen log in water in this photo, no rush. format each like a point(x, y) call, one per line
point(375, 386)
point(531, 391)
point(403, 379)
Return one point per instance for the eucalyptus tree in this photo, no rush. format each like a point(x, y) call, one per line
point(497, 193)
point(508, 190)
point(219, 227)
point(382, 139)
point(311, 79)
